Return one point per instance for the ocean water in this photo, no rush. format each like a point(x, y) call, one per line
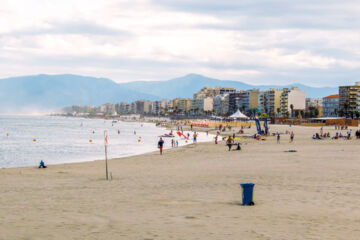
point(25, 140)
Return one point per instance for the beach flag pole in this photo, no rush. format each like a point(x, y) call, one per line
point(106, 161)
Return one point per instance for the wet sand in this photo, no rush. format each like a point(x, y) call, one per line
point(193, 192)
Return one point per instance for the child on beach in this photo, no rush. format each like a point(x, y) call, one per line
point(292, 137)
point(278, 138)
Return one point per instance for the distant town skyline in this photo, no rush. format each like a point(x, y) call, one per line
point(252, 41)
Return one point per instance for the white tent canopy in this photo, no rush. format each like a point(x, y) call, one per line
point(239, 114)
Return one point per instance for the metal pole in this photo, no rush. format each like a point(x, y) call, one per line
point(106, 161)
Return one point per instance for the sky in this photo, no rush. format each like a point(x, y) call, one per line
point(314, 42)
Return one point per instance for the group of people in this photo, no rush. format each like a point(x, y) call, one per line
point(230, 143)
point(324, 135)
point(292, 136)
point(175, 143)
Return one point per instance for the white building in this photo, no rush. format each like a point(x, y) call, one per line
point(208, 104)
point(221, 104)
point(292, 98)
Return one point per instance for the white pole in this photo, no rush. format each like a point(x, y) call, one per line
point(106, 161)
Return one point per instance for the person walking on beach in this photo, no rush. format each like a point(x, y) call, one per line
point(229, 142)
point(292, 137)
point(172, 143)
point(161, 145)
point(216, 139)
point(278, 138)
point(195, 137)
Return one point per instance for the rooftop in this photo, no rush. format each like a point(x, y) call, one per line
point(333, 96)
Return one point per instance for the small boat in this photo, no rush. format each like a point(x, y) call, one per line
point(167, 135)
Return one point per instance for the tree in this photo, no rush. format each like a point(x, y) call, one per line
point(292, 110)
point(287, 114)
point(316, 112)
point(357, 114)
point(346, 109)
point(278, 111)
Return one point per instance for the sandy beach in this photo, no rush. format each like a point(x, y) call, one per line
point(193, 192)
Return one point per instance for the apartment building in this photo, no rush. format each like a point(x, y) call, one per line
point(212, 92)
point(349, 98)
point(330, 105)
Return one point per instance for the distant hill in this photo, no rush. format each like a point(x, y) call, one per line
point(186, 86)
point(44, 92)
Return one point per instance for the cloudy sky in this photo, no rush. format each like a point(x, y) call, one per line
point(315, 42)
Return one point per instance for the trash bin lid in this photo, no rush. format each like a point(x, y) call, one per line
point(247, 184)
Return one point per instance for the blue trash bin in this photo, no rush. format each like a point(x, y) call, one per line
point(247, 194)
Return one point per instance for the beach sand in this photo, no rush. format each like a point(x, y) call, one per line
point(193, 192)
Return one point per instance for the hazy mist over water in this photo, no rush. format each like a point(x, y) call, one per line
point(65, 140)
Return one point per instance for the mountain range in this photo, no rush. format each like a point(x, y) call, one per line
point(45, 92)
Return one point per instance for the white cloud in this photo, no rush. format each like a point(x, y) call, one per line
point(145, 40)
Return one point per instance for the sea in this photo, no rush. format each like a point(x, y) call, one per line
point(26, 140)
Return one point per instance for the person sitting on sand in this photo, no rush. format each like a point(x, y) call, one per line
point(229, 142)
point(42, 164)
point(238, 147)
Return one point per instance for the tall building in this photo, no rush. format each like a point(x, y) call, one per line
point(221, 104)
point(184, 105)
point(208, 104)
point(262, 101)
point(349, 99)
point(293, 97)
point(313, 102)
point(212, 92)
point(197, 106)
point(330, 105)
point(160, 107)
point(148, 107)
point(122, 108)
point(173, 104)
point(273, 103)
point(108, 108)
point(236, 101)
point(253, 98)
point(140, 106)
point(133, 108)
